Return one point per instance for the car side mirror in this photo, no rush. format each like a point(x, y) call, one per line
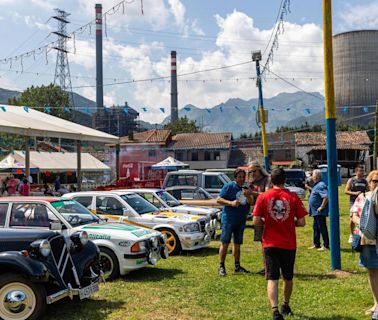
point(126, 212)
point(56, 226)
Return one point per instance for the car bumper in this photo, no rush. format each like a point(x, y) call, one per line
point(137, 261)
point(194, 241)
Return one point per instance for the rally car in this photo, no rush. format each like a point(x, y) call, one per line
point(123, 247)
point(183, 231)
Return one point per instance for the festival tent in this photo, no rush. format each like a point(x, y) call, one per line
point(169, 164)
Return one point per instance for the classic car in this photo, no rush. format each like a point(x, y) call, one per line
point(183, 231)
point(195, 196)
point(40, 267)
point(123, 247)
point(301, 193)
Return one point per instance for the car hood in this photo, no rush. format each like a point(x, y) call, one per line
point(195, 210)
point(174, 216)
point(117, 230)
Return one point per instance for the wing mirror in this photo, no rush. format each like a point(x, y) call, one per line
point(56, 226)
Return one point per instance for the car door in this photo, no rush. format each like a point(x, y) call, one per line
point(3, 214)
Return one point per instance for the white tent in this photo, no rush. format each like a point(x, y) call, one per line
point(52, 161)
point(169, 164)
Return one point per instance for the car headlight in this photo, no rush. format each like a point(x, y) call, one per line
point(191, 227)
point(219, 215)
point(84, 238)
point(44, 248)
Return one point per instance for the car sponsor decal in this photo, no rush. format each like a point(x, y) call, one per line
point(140, 261)
point(175, 215)
point(113, 226)
point(95, 236)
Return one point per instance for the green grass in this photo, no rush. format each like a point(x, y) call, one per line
point(188, 287)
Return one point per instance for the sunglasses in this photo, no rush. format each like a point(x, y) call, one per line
point(253, 170)
point(374, 181)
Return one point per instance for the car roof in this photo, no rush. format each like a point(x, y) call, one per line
point(182, 187)
point(89, 193)
point(47, 199)
point(143, 189)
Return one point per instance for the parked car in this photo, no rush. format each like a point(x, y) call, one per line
point(40, 267)
point(301, 193)
point(183, 231)
point(123, 247)
point(165, 201)
point(196, 196)
point(295, 177)
point(212, 182)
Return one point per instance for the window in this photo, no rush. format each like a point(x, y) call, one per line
point(109, 205)
point(31, 215)
point(287, 154)
point(85, 201)
point(194, 155)
point(151, 153)
point(180, 155)
point(217, 156)
point(151, 198)
point(3, 213)
point(213, 182)
point(187, 194)
point(182, 180)
point(207, 155)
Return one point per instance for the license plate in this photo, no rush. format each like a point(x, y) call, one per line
point(88, 291)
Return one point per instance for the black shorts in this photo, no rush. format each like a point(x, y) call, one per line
point(278, 261)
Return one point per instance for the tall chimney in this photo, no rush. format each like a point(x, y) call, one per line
point(99, 79)
point(174, 103)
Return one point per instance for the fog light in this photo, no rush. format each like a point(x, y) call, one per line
point(154, 242)
point(164, 252)
point(207, 227)
point(152, 259)
point(207, 238)
point(45, 248)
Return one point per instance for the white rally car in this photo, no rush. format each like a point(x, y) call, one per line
point(123, 247)
point(183, 231)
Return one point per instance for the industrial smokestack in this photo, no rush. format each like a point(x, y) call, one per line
point(174, 103)
point(99, 79)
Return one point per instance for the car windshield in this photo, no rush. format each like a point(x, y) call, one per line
point(203, 194)
point(226, 177)
point(74, 213)
point(139, 204)
point(168, 198)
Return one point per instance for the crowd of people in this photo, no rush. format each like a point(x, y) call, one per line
point(276, 214)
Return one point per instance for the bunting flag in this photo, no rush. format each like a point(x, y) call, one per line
point(287, 109)
point(273, 109)
point(254, 108)
point(126, 110)
point(26, 108)
point(107, 109)
point(221, 109)
point(162, 110)
point(144, 109)
point(67, 109)
point(208, 110)
point(188, 109)
point(86, 109)
point(366, 109)
point(3, 108)
point(237, 108)
point(345, 109)
point(308, 110)
point(47, 108)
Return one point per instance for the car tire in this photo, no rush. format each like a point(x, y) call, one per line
point(173, 242)
point(34, 306)
point(109, 262)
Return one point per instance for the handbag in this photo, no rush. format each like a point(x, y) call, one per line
point(368, 219)
point(356, 243)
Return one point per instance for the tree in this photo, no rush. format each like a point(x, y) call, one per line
point(45, 96)
point(183, 125)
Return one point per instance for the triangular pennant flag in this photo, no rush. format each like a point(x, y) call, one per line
point(3, 108)
point(47, 108)
point(287, 109)
point(366, 109)
point(86, 109)
point(208, 110)
point(162, 110)
point(308, 110)
point(221, 109)
point(26, 108)
point(254, 108)
point(272, 109)
point(345, 109)
point(237, 108)
point(188, 109)
point(144, 109)
point(67, 109)
point(107, 109)
point(126, 110)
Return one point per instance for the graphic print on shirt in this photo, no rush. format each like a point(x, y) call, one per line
point(279, 209)
point(241, 197)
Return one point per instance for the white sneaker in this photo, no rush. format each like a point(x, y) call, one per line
point(350, 240)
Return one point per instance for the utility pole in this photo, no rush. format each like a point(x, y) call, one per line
point(256, 56)
point(375, 137)
point(330, 113)
point(62, 69)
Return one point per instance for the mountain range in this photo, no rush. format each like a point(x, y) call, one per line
point(235, 115)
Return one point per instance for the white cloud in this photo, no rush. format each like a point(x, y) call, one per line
point(34, 22)
point(47, 5)
point(85, 53)
point(360, 16)
point(178, 11)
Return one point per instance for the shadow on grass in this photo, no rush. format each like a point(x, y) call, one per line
point(151, 275)
point(305, 276)
point(204, 252)
point(90, 309)
point(333, 317)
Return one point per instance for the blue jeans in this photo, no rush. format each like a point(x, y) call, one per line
point(320, 228)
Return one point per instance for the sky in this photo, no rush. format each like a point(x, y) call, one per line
point(207, 34)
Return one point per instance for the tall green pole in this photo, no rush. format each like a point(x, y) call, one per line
point(330, 113)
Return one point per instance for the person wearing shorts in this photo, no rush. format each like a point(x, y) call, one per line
point(279, 211)
point(237, 202)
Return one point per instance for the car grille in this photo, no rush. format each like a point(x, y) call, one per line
point(202, 223)
point(63, 260)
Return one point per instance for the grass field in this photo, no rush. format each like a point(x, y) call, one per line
point(188, 287)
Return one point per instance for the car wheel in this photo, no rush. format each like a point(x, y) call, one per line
point(20, 298)
point(173, 242)
point(109, 263)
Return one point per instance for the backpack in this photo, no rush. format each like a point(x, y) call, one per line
point(368, 219)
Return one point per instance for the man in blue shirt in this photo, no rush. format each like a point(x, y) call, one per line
point(237, 203)
point(318, 209)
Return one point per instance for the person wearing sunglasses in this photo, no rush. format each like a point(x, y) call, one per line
point(259, 181)
point(368, 255)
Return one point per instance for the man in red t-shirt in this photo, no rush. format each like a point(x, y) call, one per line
point(280, 211)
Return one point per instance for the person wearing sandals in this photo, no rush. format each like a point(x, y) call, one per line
point(368, 255)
